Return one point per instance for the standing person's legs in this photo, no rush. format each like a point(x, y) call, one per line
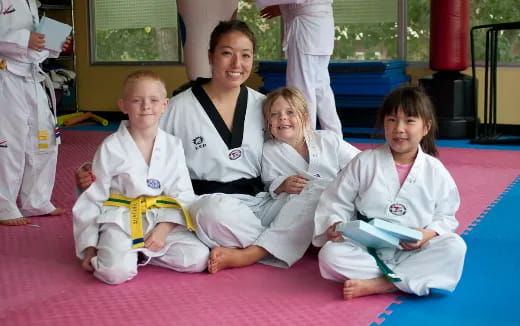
point(325, 102)
point(309, 73)
point(200, 17)
point(40, 163)
point(299, 75)
point(15, 111)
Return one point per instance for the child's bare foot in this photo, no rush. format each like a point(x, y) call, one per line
point(57, 211)
point(16, 221)
point(359, 288)
point(221, 258)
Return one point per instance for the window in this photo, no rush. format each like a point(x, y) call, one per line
point(369, 29)
point(267, 32)
point(133, 31)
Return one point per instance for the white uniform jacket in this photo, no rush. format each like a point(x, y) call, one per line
point(309, 22)
point(17, 20)
point(328, 154)
point(120, 169)
point(213, 152)
point(369, 184)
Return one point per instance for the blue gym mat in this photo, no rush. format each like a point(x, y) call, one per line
point(488, 291)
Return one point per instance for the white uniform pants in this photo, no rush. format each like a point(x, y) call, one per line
point(25, 171)
point(283, 226)
point(116, 261)
point(437, 265)
point(310, 74)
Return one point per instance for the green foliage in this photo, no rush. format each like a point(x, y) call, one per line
point(130, 45)
point(378, 41)
point(267, 32)
point(496, 12)
point(366, 41)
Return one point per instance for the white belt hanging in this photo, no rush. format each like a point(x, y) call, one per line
point(38, 76)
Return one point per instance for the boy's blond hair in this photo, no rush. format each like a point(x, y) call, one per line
point(297, 102)
point(139, 75)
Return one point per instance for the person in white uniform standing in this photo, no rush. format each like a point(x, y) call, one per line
point(298, 163)
point(401, 183)
point(28, 138)
point(308, 44)
point(138, 205)
point(199, 17)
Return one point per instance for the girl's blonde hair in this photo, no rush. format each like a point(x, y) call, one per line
point(415, 103)
point(297, 102)
point(139, 75)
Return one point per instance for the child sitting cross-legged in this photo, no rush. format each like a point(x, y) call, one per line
point(136, 211)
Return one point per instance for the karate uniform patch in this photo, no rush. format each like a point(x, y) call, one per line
point(397, 209)
point(235, 154)
point(153, 183)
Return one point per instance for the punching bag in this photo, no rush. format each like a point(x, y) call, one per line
point(449, 34)
point(450, 90)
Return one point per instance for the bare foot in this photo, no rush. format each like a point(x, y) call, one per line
point(16, 221)
point(359, 288)
point(221, 258)
point(57, 211)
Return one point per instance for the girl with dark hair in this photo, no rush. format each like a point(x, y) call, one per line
point(399, 183)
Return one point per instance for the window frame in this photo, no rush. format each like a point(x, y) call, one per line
point(92, 46)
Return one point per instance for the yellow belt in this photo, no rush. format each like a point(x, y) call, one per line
point(140, 205)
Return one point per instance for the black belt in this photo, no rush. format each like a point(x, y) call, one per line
point(240, 186)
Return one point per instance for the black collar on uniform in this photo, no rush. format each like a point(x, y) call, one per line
point(233, 139)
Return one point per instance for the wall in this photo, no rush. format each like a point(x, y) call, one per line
point(99, 86)
point(508, 94)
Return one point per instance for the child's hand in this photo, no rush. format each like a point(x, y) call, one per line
point(36, 41)
point(292, 185)
point(155, 239)
point(333, 235)
point(84, 176)
point(427, 236)
point(67, 44)
point(90, 253)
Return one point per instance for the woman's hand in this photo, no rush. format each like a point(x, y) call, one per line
point(333, 235)
point(292, 185)
point(427, 236)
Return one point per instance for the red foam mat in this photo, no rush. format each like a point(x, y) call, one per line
point(42, 283)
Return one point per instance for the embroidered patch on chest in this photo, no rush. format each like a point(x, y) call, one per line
point(153, 183)
point(397, 209)
point(198, 142)
point(3, 143)
point(8, 9)
point(235, 154)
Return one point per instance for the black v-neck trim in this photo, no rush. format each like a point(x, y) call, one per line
point(232, 139)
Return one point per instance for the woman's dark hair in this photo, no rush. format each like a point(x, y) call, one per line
point(415, 103)
point(229, 26)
